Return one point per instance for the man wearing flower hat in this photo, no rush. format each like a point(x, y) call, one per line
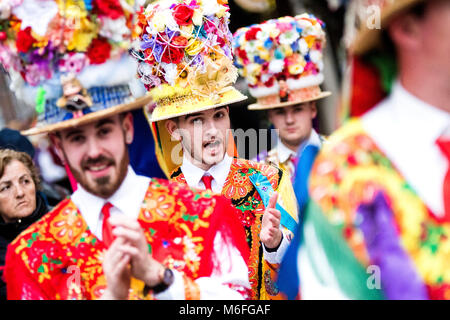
point(281, 60)
point(185, 61)
point(380, 211)
point(120, 235)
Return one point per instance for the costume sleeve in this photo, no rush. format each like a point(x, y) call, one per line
point(228, 281)
point(275, 257)
point(20, 283)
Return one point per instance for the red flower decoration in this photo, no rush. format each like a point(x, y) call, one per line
point(182, 14)
point(109, 8)
point(99, 51)
point(24, 40)
point(251, 34)
point(180, 41)
point(248, 218)
point(172, 55)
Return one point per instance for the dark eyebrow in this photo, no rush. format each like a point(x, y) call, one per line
point(192, 115)
point(102, 122)
point(25, 175)
point(99, 124)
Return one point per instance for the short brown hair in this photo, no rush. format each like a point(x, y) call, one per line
point(8, 155)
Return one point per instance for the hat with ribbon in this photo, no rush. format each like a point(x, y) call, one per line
point(185, 61)
point(185, 57)
point(282, 60)
point(69, 59)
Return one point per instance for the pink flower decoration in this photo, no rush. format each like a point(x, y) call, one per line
point(283, 27)
point(72, 62)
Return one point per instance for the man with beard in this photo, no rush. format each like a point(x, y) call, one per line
point(120, 235)
point(192, 118)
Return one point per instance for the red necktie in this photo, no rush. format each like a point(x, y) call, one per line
point(207, 181)
point(107, 234)
point(444, 144)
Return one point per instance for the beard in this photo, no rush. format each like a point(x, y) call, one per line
point(103, 187)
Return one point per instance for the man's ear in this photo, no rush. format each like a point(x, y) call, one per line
point(55, 140)
point(172, 128)
point(404, 31)
point(313, 107)
point(128, 127)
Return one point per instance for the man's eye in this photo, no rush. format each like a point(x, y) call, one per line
point(219, 115)
point(104, 131)
point(197, 121)
point(77, 139)
point(4, 188)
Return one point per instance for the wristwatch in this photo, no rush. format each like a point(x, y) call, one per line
point(166, 279)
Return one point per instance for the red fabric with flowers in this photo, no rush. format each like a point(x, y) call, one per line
point(249, 209)
point(60, 258)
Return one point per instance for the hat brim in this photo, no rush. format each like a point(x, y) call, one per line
point(256, 106)
point(90, 117)
point(236, 97)
point(369, 38)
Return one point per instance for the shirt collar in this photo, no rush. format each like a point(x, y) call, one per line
point(425, 122)
point(284, 152)
point(194, 174)
point(127, 199)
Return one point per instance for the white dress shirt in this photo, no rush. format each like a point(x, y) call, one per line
point(406, 129)
point(219, 172)
point(128, 200)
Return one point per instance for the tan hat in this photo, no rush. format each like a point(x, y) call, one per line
point(367, 37)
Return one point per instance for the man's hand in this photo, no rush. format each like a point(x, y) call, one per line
point(143, 266)
point(117, 272)
point(271, 234)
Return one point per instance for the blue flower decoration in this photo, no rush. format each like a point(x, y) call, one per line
point(278, 54)
point(268, 44)
point(258, 60)
point(88, 4)
point(200, 31)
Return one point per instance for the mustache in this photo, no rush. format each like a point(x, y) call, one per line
point(212, 141)
point(100, 160)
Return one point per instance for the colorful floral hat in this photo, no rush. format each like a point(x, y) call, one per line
point(185, 57)
point(69, 59)
point(281, 60)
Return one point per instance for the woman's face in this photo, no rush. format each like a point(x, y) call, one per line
point(17, 192)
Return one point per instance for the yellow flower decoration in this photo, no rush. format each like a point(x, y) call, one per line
point(83, 36)
point(194, 47)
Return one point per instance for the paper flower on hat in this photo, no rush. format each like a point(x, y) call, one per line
point(281, 59)
point(184, 50)
point(43, 42)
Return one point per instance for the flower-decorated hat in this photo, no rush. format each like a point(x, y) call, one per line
point(185, 57)
point(186, 62)
point(281, 60)
point(69, 59)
